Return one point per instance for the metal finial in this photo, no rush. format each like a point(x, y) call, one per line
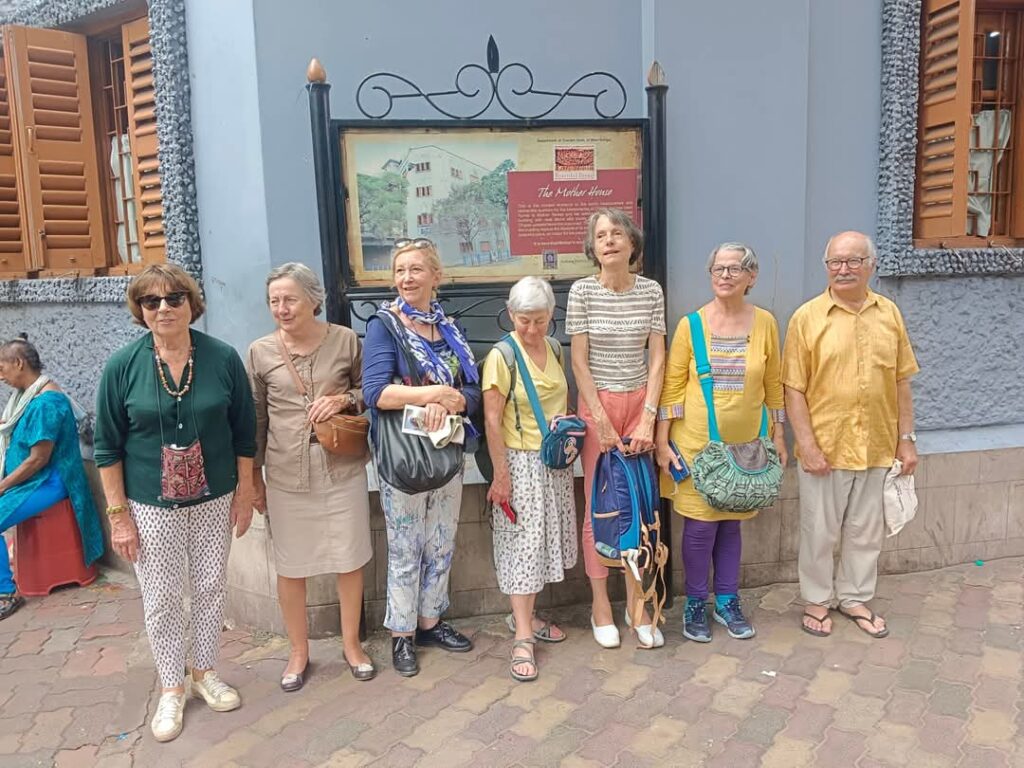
point(315, 72)
point(656, 75)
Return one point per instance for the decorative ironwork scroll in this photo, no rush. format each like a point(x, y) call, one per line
point(483, 313)
point(482, 86)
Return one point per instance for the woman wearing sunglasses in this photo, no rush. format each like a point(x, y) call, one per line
point(175, 440)
point(415, 355)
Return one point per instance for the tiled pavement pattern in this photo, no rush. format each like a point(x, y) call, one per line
point(76, 689)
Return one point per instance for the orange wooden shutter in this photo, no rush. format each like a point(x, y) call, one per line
point(139, 92)
point(944, 118)
point(48, 84)
point(13, 258)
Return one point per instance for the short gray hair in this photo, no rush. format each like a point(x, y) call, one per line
point(531, 294)
point(748, 262)
point(305, 278)
point(869, 246)
point(619, 218)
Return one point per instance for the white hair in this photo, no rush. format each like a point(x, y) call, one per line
point(305, 278)
point(748, 262)
point(871, 252)
point(531, 294)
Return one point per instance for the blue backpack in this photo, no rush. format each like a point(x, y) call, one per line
point(624, 513)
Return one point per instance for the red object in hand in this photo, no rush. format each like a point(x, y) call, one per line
point(509, 512)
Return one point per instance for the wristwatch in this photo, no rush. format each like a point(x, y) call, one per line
point(650, 409)
point(911, 436)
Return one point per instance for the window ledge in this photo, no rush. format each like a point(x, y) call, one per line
point(897, 256)
point(91, 290)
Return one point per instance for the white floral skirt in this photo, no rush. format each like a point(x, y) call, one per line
point(541, 545)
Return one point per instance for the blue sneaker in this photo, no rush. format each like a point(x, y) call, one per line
point(695, 621)
point(731, 615)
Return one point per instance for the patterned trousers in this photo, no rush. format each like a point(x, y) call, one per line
point(421, 541)
point(177, 547)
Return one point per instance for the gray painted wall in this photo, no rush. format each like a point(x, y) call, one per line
point(230, 181)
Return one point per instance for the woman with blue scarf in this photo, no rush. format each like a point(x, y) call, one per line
point(414, 331)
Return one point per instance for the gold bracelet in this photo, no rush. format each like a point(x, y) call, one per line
point(116, 509)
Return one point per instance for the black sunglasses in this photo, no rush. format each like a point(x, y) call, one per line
point(174, 299)
point(419, 242)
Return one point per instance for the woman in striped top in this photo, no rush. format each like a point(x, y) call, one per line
point(613, 317)
point(743, 349)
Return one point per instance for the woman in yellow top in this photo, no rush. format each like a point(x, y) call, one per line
point(534, 509)
point(743, 349)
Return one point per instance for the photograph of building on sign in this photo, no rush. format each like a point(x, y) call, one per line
point(498, 203)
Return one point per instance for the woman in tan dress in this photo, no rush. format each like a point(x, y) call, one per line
point(317, 502)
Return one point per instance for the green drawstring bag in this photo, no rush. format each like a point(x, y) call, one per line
point(741, 477)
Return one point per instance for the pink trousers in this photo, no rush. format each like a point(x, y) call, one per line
point(624, 410)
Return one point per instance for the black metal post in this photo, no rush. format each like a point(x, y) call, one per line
point(656, 220)
point(328, 197)
point(328, 204)
point(655, 208)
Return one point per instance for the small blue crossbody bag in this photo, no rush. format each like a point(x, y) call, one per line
point(562, 439)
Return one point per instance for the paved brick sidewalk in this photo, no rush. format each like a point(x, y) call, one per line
point(77, 685)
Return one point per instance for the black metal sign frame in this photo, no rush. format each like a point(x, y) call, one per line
point(495, 85)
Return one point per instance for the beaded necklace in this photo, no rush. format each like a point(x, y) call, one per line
point(163, 379)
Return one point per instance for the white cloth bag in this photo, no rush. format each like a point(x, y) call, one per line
point(899, 499)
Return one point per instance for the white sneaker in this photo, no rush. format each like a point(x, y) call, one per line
point(607, 636)
point(220, 696)
point(166, 723)
point(647, 637)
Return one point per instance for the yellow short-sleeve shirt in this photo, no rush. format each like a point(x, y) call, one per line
point(552, 391)
point(847, 365)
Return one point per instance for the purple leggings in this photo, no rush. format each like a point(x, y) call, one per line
point(704, 542)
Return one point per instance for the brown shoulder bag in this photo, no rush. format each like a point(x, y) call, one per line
point(340, 434)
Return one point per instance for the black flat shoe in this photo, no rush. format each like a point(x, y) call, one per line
point(403, 657)
point(294, 682)
point(444, 635)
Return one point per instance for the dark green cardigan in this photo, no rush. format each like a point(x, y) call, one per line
point(128, 430)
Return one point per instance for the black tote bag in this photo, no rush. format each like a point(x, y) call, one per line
point(410, 463)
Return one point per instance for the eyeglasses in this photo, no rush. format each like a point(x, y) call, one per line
point(420, 242)
point(834, 265)
point(174, 299)
point(733, 270)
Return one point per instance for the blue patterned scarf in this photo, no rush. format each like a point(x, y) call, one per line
point(431, 366)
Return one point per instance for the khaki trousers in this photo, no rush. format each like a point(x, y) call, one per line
point(844, 506)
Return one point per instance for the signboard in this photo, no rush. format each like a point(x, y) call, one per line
point(499, 202)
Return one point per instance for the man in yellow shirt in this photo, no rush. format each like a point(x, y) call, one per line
point(847, 366)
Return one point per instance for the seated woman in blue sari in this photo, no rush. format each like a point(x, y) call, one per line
point(40, 461)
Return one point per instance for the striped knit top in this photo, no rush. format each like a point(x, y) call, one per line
point(617, 325)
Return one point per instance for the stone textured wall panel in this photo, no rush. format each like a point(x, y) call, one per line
point(74, 342)
point(968, 336)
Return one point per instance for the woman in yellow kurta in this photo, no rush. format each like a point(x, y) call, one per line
point(743, 349)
